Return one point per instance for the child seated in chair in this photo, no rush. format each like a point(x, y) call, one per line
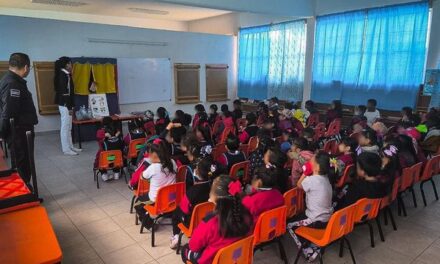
point(275, 159)
point(299, 154)
point(367, 141)
point(318, 201)
point(161, 172)
point(172, 136)
point(204, 173)
point(162, 121)
point(264, 196)
point(230, 222)
point(347, 148)
point(237, 113)
point(109, 138)
point(213, 115)
point(250, 130)
point(135, 131)
point(233, 155)
point(148, 121)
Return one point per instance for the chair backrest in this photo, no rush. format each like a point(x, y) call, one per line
point(218, 150)
point(199, 212)
point(340, 224)
point(333, 128)
point(142, 188)
point(406, 179)
point(270, 225)
point(225, 134)
point(387, 200)
point(430, 169)
point(366, 209)
point(319, 131)
point(245, 149)
point(134, 147)
point(169, 197)
point(294, 202)
point(240, 171)
point(344, 178)
point(313, 119)
point(240, 122)
point(110, 159)
point(437, 163)
point(240, 252)
point(253, 143)
point(181, 173)
point(331, 146)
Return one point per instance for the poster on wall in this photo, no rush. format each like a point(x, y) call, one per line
point(98, 104)
point(432, 87)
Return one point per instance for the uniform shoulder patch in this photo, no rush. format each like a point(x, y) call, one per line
point(15, 93)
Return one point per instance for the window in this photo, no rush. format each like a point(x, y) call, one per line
point(376, 53)
point(272, 60)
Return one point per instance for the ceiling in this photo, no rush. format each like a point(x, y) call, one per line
point(118, 8)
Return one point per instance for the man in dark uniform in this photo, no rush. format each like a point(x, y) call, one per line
point(16, 102)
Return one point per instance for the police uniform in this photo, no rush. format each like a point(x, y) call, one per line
point(16, 102)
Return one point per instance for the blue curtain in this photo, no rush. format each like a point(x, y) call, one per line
point(377, 53)
point(271, 61)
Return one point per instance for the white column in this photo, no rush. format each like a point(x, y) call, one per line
point(310, 41)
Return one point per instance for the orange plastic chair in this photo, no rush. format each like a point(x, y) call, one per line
point(331, 147)
point(270, 227)
point(241, 122)
point(199, 212)
point(313, 120)
point(319, 131)
point(253, 144)
point(109, 160)
point(240, 171)
point(133, 148)
point(181, 174)
point(239, 252)
point(218, 150)
point(225, 134)
point(343, 180)
point(167, 200)
point(333, 128)
point(366, 210)
point(409, 177)
point(245, 149)
point(387, 201)
point(431, 167)
point(142, 189)
point(294, 202)
point(340, 224)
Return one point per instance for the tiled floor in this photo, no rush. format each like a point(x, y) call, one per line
point(95, 226)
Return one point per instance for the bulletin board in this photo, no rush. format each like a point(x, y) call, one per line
point(44, 74)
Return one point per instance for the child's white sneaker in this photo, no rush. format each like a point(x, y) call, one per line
point(105, 177)
point(116, 175)
point(76, 149)
point(174, 240)
point(70, 153)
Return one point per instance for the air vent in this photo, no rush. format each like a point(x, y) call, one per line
point(59, 3)
point(148, 11)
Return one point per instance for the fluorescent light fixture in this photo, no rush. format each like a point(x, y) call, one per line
point(148, 11)
point(59, 3)
point(128, 42)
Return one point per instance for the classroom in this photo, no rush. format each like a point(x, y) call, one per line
point(223, 132)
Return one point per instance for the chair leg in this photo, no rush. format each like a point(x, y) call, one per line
point(341, 248)
point(298, 254)
point(370, 227)
point(153, 227)
point(136, 222)
point(320, 258)
point(96, 173)
point(393, 223)
point(143, 223)
point(125, 175)
point(414, 196)
point(351, 251)
point(179, 243)
point(385, 216)
point(435, 188)
point(282, 251)
point(402, 207)
point(379, 227)
point(423, 193)
point(132, 204)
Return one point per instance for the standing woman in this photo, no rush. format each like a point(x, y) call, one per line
point(64, 89)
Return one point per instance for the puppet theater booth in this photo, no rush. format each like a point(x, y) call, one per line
point(100, 73)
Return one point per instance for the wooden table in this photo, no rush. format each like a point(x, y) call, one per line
point(79, 123)
point(28, 237)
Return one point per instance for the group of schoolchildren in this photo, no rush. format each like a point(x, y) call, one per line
point(293, 159)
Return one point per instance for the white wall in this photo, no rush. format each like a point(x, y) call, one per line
point(46, 40)
point(434, 39)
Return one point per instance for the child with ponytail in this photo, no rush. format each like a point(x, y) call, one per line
point(230, 222)
point(204, 173)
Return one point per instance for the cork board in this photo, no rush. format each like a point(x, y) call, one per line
point(187, 83)
point(44, 74)
point(216, 82)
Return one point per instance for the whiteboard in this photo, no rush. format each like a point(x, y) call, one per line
point(142, 80)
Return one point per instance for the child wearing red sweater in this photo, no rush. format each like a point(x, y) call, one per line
point(250, 130)
point(264, 196)
point(233, 155)
point(230, 223)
